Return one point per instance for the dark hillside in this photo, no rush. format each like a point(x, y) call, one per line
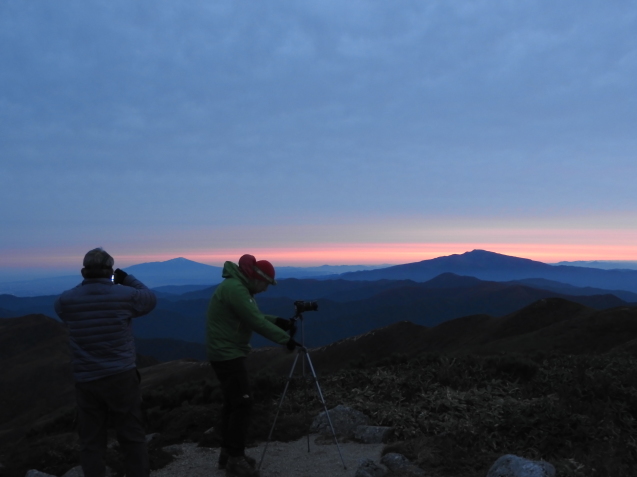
point(567, 289)
point(466, 391)
point(430, 307)
point(36, 376)
point(547, 325)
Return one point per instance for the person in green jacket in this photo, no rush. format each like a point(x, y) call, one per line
point(232, 317)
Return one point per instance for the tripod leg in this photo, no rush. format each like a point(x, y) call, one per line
point(320, 393)
point(276, 416)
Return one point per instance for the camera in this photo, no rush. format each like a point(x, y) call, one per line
point(303, 306)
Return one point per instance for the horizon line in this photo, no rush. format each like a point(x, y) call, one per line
point(366, 254)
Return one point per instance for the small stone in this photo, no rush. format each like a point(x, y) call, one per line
point(372, 434)
point(510, 465)
point(369, 468)
point(398, 462)
point(37, 473)
point(151, 437)
point(394, 461)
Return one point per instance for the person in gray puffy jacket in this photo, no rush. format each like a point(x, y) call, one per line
point(98, 314)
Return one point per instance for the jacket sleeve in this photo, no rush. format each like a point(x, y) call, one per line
point(144, 299)
point(271, 318)
point(244, 306)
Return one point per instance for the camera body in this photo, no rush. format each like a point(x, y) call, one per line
point(303, 306)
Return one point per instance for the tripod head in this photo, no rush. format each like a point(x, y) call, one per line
point(301, 307)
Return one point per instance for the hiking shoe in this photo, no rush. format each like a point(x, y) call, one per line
point(251, 461)
point(240, 467)
point(223, 459)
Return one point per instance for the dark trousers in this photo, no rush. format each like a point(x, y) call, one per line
point(237, 404)
point(114, 400)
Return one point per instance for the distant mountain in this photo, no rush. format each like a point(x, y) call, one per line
point(322, 271)
point(603, 264)
point(176, 276)
point(178, 289)
point(177, 271)
point(41, 286)
point(497, 267)
point(12, 306)
point(566, 289)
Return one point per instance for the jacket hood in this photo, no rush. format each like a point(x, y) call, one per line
point(232, 270)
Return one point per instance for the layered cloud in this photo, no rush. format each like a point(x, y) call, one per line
point(137, 118)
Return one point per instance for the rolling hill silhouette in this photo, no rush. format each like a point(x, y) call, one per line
point(349, 308)
point(552, 325)
point(346, 308)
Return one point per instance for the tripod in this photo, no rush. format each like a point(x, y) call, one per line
point(302, 350)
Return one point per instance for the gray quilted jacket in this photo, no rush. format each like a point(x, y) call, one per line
point(99, 316)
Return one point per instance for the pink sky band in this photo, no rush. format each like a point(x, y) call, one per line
point(332, 254)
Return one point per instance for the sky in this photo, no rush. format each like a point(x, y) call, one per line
point(323, 132)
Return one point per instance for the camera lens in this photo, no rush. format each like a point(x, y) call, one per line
point(303, 306)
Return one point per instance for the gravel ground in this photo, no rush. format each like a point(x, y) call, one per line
point(282, 459)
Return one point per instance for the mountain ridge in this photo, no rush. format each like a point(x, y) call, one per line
point(499, 267)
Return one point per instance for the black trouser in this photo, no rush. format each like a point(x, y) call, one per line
point(237, 403)
point(116, 400)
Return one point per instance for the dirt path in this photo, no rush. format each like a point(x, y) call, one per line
point(282, 459)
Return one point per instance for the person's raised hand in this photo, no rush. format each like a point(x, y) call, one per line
point(119, 276)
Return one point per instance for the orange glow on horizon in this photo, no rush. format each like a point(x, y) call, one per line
point(391, 253)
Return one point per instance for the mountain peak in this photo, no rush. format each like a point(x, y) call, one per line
point(178, 260)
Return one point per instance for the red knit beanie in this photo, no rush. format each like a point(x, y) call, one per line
point(267, 271)
point(247, 264)
point(262, 270)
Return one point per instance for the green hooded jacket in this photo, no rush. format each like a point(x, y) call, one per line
point(233, 315)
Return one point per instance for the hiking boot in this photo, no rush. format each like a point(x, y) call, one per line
point(223, 459)
point(251, 461)
point(240, 467)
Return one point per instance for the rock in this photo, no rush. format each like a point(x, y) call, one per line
point(210, 431)
point(513, 466)
point(78, 472)
point(394, 461)
point(75, 472)
point(37, 473)
point(174, 450)
point(151, 437)
point(372, 434)
point(398, 462)
point(344, 419)
point(369, 468)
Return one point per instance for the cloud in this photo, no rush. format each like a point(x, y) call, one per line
point(228, 112)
